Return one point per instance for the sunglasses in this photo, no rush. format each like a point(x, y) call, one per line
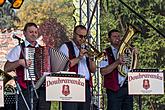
point(81, 36)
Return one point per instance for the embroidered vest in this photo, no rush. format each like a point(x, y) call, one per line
point(111, 79)
point(73, 55)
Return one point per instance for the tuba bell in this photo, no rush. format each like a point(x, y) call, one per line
point(127, 51)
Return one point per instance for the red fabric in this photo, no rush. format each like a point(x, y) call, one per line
point(75, 67)
point(71, 56)
point(111, 79)
point(20, 74)
point(20, 77)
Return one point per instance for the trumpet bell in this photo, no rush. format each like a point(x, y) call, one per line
point(93, 52)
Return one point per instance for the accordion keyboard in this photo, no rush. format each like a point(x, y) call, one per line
point(29, 72)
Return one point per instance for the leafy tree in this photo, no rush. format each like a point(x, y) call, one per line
point(41, 10)
point(150, 44)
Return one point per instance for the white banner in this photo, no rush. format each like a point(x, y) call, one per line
point(146, 83)
point(65, 89)
point(1, 94)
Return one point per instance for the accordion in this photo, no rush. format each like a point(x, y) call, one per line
point(44, 59)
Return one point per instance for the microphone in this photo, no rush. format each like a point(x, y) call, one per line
point(16, 37)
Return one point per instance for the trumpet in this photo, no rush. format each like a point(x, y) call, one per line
point(92, 51)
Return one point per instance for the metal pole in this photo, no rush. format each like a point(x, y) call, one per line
point(80, 12)
point(140, 102)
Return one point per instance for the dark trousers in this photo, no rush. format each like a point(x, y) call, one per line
point(38, 104)
point(79, 105)
point(119, 100)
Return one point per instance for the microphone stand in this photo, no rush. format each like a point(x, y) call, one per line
point(19, 90)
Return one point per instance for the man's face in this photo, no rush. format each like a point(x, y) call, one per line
point(31, 34)
point(79, 36)
point(115, 39)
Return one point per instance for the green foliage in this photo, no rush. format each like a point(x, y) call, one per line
point(39, 11)
point(55, 105)
point(150, 44)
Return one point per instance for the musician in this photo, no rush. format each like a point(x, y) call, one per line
point(16, 62)
point(115, 84)
point(79, 63)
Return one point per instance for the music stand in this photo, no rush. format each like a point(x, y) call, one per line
point(140, 102)
point(143, 70)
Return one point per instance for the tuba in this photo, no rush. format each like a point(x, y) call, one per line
point(127, 51)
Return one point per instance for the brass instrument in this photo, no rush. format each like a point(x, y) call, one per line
point(127, 51)
point(5, 77)
point(93, 52)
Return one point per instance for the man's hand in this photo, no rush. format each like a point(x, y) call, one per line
point(121, 60)
point(82, 53)
point(135, 50)
point(25, 64)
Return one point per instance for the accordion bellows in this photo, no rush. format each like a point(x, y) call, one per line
point(58, 61)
